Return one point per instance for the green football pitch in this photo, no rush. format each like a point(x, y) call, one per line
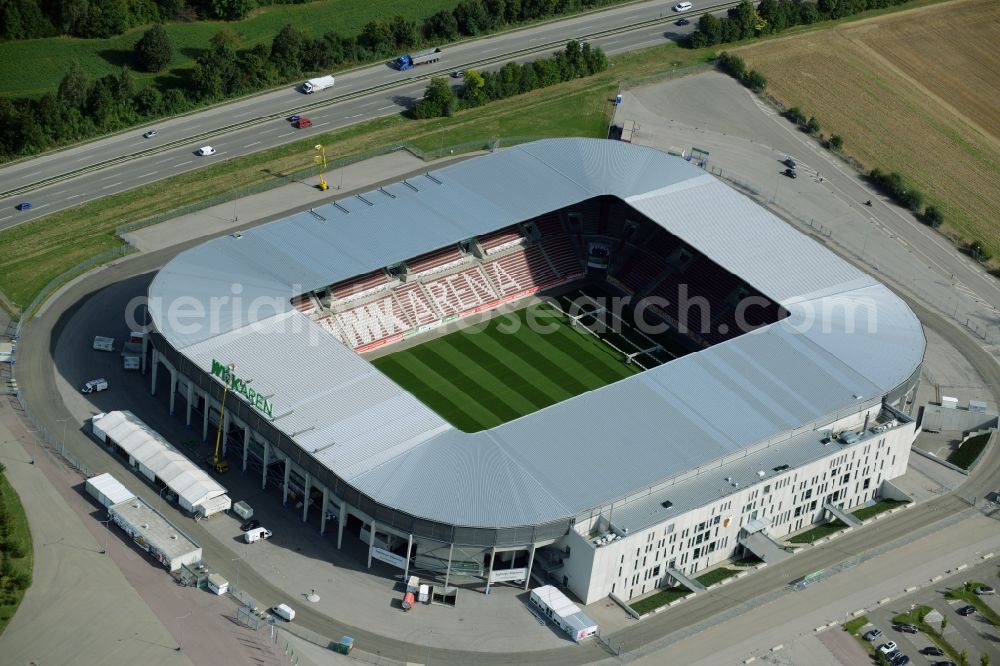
point(482, 376)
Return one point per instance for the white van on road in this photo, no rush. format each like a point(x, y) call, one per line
point(284, 611)
point(682, 6)
point(256, 534)
point(95, 385)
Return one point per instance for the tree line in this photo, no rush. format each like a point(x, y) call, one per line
point(478, 88)
point(29, 19)
point(773, 16)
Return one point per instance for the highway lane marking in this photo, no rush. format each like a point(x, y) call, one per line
point(273, 129)
point(107, 187)
point(74, 196)
point(355, 116)
point(245, 113)
point(320, 124)
point(41, 206)
point(183, 163)
point(148, 174)
point(6, 218)
point(252, 144)
point(383, 108)
point(114, 175)
point(287, 134)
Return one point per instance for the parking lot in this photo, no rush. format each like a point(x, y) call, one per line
point(973, 633)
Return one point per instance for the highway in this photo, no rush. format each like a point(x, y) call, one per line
point(63, 179)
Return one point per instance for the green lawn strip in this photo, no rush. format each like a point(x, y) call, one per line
point(10, 595)
point(853, 627)
point(437, 392)
point(969, 450)
point(818, 532)
point(916, 618)
point(589, 352)
point(661, 598)
point(971, 597)
point(881, 506)
point(542, 383)
point(716, 575)
point(558, 363)
point(488, 382)
point(35, 66)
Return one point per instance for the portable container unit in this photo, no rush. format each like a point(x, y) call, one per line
point(563, 612)
point(243, 510)
point(217, 584)
point(102, 343)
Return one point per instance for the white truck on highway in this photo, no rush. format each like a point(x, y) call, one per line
point(315, 85)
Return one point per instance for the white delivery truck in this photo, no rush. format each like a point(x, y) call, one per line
point(256, 534)
point(284, 611)
point(315, 85)
point(95, 385)
point(102, 343)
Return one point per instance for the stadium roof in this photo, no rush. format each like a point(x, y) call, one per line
point(847, 342)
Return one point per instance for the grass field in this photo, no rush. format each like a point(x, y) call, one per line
point(35, 66)
point(20, 567)
point(481, 377)
point(907, 96)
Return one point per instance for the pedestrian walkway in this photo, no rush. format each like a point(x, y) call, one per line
point(764, 547)
point(841, 515)
point(689, 583)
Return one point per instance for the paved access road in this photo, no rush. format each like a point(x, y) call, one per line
point(66, 178)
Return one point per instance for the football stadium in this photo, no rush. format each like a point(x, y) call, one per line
point(580, 362)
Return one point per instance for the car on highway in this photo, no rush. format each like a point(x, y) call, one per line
point(886, 648)
point(932, 651)
point(966, 610)
point(24, 205)
point(458, 74)
point(872, 634)
point(293, 119)
point(302, 123)
point(984, 589)
point(150, 134)
point(907, 629)
point(791, 173)
point(250, 525)
point(789, 162)
point(205, 151)
point(682, 6)
point(682, 22)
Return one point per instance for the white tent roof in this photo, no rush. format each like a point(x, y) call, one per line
point(111, 488)
point(148, 447)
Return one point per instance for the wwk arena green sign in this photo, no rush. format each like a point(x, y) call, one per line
point(229, 378)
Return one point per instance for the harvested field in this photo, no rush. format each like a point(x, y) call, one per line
point(916, 92)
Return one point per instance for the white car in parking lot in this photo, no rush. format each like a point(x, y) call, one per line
point(206, 150)
point(886, 648)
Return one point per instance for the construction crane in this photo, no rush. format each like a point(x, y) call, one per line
point(221, 465)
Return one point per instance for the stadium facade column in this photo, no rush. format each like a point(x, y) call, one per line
point(284, 485)
point(306, 487)
point(190, 402)
point(341, 519)
point(531, 562)
point(225, 432)
point(447, 572)
point(173, 389)
point(246, 446)
point(409, 549)
point(371, 544)
point(263, 470)
point(322, 516)
point(489, 576)
point(204, 418)
point(156, 362)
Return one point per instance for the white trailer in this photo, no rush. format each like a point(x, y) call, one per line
point(102, 343)
point(563, 612)
point(315, 85)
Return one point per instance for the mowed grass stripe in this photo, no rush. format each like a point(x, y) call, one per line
point(607, 364)
point(545, 390)
point(517, 375)
point(470, 386)
point(575, 383)
point(438, 394)
point(497, 384)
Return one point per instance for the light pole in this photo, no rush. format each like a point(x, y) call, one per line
point(63, 421)
point(180, 630)
point(107, 535)
point(239, 563)
point(321, 161)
